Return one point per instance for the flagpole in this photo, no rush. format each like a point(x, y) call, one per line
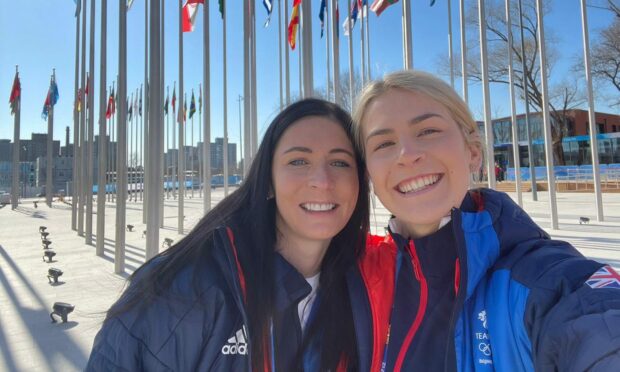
point(91, 127)
point(168, 153)
point(206, 73)
point(253, 94)
point(367, 18)
point(225, 149)
point(49, 171)
point(160, 116)
point(326, 34)
point(513, 113)
point(307, 52)
point(140, 132)
point(450, 52)
point(113, 133)
point(76, 122)
point(407, 36)
point(130, 164)
point(335, 52)
point(155, 119)
point(103, 151)
point(300, 50)
point(145, 130)
point(463, 50)
point(546, 120)
point(192, 152)
point(350, 38)
point(200, 160)
point(591, 117)
point(175, 154)
point(246, 85)
point(121, 147)
point(279, 58)
point(181, 153)
point(287, 77)
point(362, 46)
point(488, 125)
point(15, 168)
point(80, 162)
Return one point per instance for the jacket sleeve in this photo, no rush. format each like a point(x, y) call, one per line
point(115, 349)
point(572, 326)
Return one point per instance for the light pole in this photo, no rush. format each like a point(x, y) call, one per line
point(239, 99)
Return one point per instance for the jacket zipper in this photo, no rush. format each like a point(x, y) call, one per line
point(462, 286)
point(417, 269)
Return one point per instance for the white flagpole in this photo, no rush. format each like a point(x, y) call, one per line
point(335, 52)
point(140, 133)
point(181, 153)
point(103, 148)
point(463, 50)
point(488, 125)
point(76, 125)
point(168, 152)
point(513, 113)
point(206, 148)
point(81, 169)
point(367, 18)
point(91, 128)
point(159, 104)
point(147, 150)
point(326, 35)
point(287, 77)
point(225, 149)
point(49, 171)
point(591, 117)
point(200, 179)
point(450, 53)
point(362, 46)
point(16, 148)
point(407, 36)
point(308, 73)
point(192, 154)
point(247, 92)
point(350, 38)
point(546, 120)
point(279, 58)
point(254, 101)
point(130, 164)
point(121, 165)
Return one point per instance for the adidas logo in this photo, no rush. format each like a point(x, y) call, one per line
point(237, 344)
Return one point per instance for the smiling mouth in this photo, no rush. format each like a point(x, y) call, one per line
point(318, 207)
point(418, 184)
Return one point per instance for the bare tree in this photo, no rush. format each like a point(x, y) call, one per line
point(605, 56)
point(563, 96)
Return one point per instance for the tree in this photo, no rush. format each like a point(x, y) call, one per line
point(605, 57)
point(563, 96)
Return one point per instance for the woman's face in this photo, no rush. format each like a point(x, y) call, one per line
point(315, 180)
point(417, 158)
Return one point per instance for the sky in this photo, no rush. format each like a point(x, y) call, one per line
point(39, 36)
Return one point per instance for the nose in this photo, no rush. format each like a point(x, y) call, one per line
point(410, 152)
point(319, 177)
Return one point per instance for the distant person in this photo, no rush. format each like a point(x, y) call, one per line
point(259, 284)
point(465, 280)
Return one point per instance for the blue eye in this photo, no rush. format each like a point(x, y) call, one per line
point(340, 163)
point(298, 162)
point(427, 131)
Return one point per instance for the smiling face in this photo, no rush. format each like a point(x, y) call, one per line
point(315, 180)
point(417, 158)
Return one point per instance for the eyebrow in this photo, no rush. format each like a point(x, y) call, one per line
point(337, 150)
point(416, 120)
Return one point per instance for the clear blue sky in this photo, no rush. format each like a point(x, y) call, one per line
point(39, 35)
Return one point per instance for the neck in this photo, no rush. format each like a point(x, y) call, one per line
point(306, 256)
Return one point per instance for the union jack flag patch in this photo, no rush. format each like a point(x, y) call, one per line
point(605, 277)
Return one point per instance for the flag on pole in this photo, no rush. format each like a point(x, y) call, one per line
point(432, 2)
point(322, 16)
point(78, 104)
point(269, 6)
point(86, 90)
point(349, 24)
point(110, 109)
point(129, 111)
point(135, 103)
point(78, 7)
point(221, 4)
point(192, 106)
point(166, 103)
point(174, 99)
point(140, 103)
point(51, 99)
point(185, 109)
point(190, 10)
point(294, 24)
point(129, 4)
point(16, 92)
point(200, 99)
point(378, 6)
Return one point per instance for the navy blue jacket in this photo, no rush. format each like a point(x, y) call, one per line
point(200, 323)
point(523, 301)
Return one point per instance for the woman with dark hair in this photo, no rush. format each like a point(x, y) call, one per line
point(259, 283)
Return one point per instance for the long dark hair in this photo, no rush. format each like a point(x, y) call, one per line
point(249, 207)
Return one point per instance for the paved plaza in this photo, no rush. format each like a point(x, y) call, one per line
point(30, 342)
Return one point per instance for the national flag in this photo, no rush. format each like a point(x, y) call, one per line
point(200, 99)
point(605, 277)
point(129, 111)
point(50, 99)
point(269, 6)
point(166, 103)
point(135, 103)
point(174, 99)
point(294, 24)
point(140, 103)
point(86, 90)
point(190, 10)
point(322, 16)
point(432, 2)
point(109, 110)
point(78, 7)
point(78, 104)
point(16, 92)
point(192, 106)
point(221, 5)
point(130, 3)
point(185, 109)
point(349, 24)
point(378, 6)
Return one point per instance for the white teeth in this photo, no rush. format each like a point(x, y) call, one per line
point(418, 183)
point(316, 207)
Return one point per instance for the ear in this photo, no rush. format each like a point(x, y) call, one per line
point(475, 161)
